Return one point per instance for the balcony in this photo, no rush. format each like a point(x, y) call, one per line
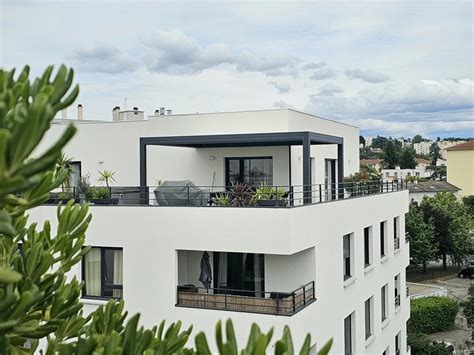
point(274, 303)
point(239, 195)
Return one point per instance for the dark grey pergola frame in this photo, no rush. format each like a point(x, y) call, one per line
point(305, 139)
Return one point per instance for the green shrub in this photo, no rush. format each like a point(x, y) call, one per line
point(99, 193)
point(420, 344)
point(432, 314)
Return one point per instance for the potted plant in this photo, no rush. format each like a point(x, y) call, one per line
point(222, 200)
point(269, 196)
point(366, 182)
point(103, 195)
point(241, 195)
point(63, 170)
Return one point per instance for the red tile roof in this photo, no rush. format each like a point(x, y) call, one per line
point(463, 146)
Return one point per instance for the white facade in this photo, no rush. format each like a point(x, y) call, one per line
point(398, 174)
point(162, 246)
point(424, 147)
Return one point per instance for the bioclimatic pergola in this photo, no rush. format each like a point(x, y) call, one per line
point(305, 139)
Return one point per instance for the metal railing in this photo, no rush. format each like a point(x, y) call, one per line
point(396, 243)
point(225, 196)
point(408, 291)
point(397, 301)
point(275, 303)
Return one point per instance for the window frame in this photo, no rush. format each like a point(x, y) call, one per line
point(383, 239)
point(368, 259)
point(384, 302)
point(103, 285)
point(396, 232)
point(368, 317)
point(347, 260)
point(241, 168)
point(349, 347)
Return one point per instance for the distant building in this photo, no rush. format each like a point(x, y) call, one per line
point(460, 170)
point(420, 189)
point(375, 163)
point(422, 163)
point(423, 148)
point(401, 174)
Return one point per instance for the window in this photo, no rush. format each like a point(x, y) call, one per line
point(396, 232)
point(348, 346)
point(368, 318)
point(367, 246)
point(383, 241)
point(395, 174)
point(75, 173)
point(417, 173)
point(397, 290)
point(347, 256)
point(397, 343)
point(251, 171)
point(387, 174)
point(102, 273)
point(384, 299)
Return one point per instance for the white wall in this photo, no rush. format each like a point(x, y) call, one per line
point(150, 237)
point(115, 145)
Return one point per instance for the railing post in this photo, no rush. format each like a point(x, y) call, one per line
point(320, 194)
point(294, 302)
point(225, 299)
point(314, 291)
point(188, 195)
point(304, 295)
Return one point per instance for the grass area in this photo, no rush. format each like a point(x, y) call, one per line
point(416, 274)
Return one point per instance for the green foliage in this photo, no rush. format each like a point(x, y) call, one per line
point(407, 158)
point(421, 234)
point(241, 195)
point(468, 307)
point(222, 200)
point(437, 172)
point(435, 153)
point(63, 167)
point(265, 192)
point(417, 139)
point(453, 225)
point(107, 176)
point(432, 314)
point(469, 204)
point(422, 345)
point(390, 155)
point(99, 193)
point(379, 142)
point(367, 153)
point(365, 182)
point(36, 299)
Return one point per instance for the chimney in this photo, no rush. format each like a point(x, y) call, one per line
point(80, 112)
point(169, 112)
point(116, 113)
point(162, 111)
point(64, 114)
point(157, 112)
point(135, 110)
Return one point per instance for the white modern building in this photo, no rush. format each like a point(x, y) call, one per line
point(317, 255)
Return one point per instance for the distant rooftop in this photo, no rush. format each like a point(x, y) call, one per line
point(432, 186)
point(463, 146)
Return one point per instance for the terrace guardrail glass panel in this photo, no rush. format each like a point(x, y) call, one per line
point(275, 303)
point(237, 195)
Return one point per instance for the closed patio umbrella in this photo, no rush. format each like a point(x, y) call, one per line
point(206, 273)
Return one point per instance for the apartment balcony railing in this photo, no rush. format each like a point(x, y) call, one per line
point(396, 243)
point(408, 291)
point(397, 301)
point(275, 303)
point(225, 196)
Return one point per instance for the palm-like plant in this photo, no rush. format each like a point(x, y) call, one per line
point(107, 176)
point(64, 166)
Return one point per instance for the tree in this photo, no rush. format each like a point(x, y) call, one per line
point(407, 158)
point(379, 142)
point(362, 140)
point(434, 153)
point(417, 139)
point(452, 226)
point(390, 155)
point(37, 300)
point(469, 203)
point(437, 172)
point(423, 247)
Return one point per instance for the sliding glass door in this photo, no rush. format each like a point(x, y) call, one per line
point(239, 273)
point(253, 171)
point(330, 179)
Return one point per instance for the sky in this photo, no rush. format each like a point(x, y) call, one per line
point(394, 68)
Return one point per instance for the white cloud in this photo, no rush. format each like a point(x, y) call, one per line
point(329, 90)
point(283, 88)
point(369, 76)
point(103, 59)
point(283, 104)
point(323, 74)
